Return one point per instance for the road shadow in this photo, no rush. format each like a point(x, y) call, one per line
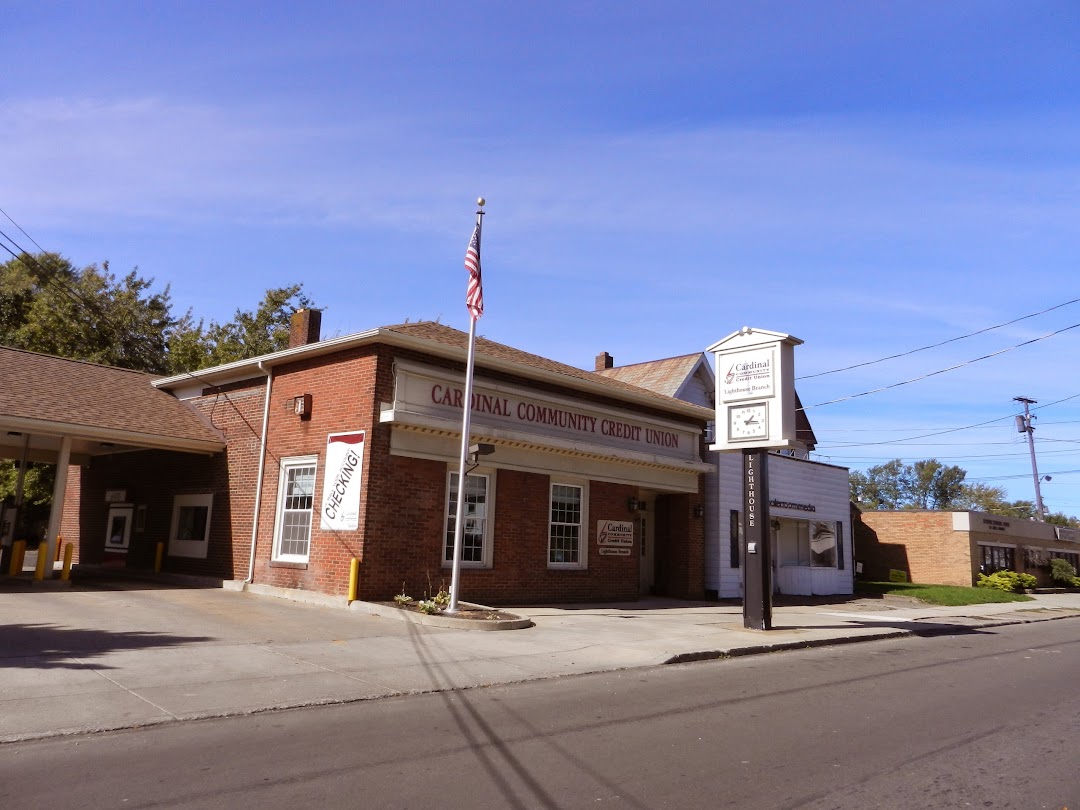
point(49, 646)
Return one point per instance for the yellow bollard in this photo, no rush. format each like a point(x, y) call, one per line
point(65, 572)
point(42, 561)
point(18, 551)
point(158, 555)
point(354, 578)
point(59, 545)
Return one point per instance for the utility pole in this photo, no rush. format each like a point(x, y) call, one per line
point(1023, 425)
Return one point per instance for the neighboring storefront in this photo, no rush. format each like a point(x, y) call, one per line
point(953, 548)
point(809, 509)
point(348, 448)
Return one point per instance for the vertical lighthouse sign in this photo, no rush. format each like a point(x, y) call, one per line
point(755, 413)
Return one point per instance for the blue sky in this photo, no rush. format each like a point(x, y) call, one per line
point(868, 177)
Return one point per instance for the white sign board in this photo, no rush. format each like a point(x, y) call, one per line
point(341, 481)
point(614, 533)
point(755, 391)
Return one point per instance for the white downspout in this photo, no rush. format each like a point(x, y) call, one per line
point(259, 480)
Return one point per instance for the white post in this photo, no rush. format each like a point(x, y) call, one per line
point(57, 512)
point(459, 515)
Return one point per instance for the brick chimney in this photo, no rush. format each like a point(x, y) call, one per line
point(604, 360)
point(304, 327)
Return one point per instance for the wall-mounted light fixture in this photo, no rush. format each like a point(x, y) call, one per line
point(301, 406)
point(635, 505)
point(699, 511)
point(477, 450)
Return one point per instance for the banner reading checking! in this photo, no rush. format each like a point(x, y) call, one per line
point(341, 482)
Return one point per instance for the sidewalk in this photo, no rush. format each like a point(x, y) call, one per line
point(126, 654)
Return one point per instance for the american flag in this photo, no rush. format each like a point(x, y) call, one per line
point(474, 293)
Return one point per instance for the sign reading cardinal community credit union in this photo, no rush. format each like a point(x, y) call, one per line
point(341, 482)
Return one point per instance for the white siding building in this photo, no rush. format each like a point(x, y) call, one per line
point(809, 500)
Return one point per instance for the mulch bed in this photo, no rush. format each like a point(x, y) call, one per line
point(463, 612)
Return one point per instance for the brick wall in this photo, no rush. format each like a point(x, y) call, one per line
point(401, 522)
point(922, 543)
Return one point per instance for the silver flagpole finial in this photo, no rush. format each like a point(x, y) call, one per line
point(481, 201)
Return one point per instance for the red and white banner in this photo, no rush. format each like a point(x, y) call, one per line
point(341, 483)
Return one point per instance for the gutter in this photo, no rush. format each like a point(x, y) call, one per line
point(262, 467)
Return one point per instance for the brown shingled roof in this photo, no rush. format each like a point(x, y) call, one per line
point(663, 376)
point(439, 333)
point(46, 389)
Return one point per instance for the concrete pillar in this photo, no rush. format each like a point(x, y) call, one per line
point(57, 513)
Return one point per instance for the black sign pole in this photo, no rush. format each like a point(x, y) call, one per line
point(757, 549)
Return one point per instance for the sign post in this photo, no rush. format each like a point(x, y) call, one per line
point(755, 413)
point(757, 549)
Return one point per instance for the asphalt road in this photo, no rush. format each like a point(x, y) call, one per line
point(986, 719)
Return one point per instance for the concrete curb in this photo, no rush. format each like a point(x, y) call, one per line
point(441, 620)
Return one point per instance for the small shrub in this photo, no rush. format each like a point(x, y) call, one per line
point(428, 606)
point(1062, 571)
point(1006, 581)
point(442, 598)
point(1027, 581)
point(1075, 582)
point(402, 599)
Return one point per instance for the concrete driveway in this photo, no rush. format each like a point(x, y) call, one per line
point(110, 654)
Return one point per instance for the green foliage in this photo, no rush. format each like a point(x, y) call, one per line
point(950, 595)
point(1061, 519)
point(1007, 581)
point(47, 305)
point(1062, 571)
point(929, 484)
point(50, 306)
point(250, 334)
point(429, 606)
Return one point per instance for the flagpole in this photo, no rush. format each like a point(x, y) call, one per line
point(459, 516)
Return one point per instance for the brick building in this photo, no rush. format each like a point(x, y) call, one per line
point(348, 448)
point(953, 548)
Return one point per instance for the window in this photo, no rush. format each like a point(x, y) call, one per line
point(735, 539)
point(296, 495)
point(476, 532)
point(565, 535)
point(806, 543)
point(822, 544)
point(1071, 557)
point(997, 558)
point(189, 535)
point(792, 542)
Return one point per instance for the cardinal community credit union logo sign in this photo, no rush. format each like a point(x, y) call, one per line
point(615, 537)
point(341, 482)
point(747, 374)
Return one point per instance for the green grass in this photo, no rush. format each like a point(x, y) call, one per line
point(940, 594)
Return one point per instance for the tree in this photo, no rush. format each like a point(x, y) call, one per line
point(50, 306)
point(250, 334)
point(929, 484)
point(47, 305)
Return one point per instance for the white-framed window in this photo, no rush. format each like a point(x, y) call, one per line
point(189, 532)
point(478, 519)
point(296, 497)
point(568, 534)
point(806, 543)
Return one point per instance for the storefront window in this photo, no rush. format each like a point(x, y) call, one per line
point(805, 543)
point(565, 527)
point(1072, 558)
point(997, 558)
point(822, 544)
point(475, 530)
point(296, 494)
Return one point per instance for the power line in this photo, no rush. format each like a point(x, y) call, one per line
point(936, 345)
point(943, 370)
